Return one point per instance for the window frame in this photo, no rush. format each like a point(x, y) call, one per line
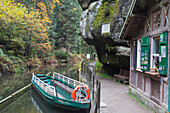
point(152, 54)
point(138, 66)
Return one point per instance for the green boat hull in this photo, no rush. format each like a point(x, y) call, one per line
point(61, 102)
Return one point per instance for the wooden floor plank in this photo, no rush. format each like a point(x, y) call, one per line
point(63, 86)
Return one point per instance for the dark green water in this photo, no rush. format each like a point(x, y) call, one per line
point(32, 102)
point(12, 83)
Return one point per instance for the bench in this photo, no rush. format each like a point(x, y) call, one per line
point(123, 76)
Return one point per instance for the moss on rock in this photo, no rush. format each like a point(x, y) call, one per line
point(106, 13)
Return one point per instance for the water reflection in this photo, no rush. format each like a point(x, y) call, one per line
point(32, 102)
point(43, 107)
point(12, 83)
point(22, 105)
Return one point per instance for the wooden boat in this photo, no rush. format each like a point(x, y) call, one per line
point(62, 91)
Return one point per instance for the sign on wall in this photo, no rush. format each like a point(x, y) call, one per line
point(88, 56)
point(105, 28)
point(145, 54)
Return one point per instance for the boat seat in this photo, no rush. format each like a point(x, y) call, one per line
point(45, 81)
point(43, 78)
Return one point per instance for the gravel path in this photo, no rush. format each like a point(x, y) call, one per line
point(115, 100)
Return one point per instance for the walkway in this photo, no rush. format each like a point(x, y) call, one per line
point(117, 101)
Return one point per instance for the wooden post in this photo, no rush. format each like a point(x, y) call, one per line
point(97, 84)
point(82, 66)
point(93, 88)
point(79, 75)
point(98, 102)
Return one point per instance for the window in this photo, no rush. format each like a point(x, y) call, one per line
point(138, 54)
point(151, 54)
point(134, 54)
point(154, 54)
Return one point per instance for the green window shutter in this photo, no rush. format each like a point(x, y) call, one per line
point(134, 54)
point(163, 52)
point(145, 54)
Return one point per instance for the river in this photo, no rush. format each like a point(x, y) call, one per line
point(32, 102)
point(12, 83)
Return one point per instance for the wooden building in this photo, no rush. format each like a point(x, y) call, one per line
point(147, 28)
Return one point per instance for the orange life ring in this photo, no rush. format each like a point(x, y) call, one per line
point(77, 89)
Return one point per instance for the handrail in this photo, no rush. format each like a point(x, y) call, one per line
point(95, 84)
point(95, 108)
point(67, 79)
point(46, 87)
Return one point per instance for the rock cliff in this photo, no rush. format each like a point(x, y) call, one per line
point(101, 24)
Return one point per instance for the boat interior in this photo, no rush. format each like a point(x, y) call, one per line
point(62, 90)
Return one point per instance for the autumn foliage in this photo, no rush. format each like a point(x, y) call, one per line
point(32, 32)
point(22, 32)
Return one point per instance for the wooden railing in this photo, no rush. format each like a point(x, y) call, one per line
point(67, 79)
point(95, 108)
point(46, 87)
point(89, 74)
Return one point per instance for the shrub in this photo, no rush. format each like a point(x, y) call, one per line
point(99, 66)
point(61, 54)
point(10, 64)
point(5, 62)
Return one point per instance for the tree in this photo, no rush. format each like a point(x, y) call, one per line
point(65, 25)
point(22, 34)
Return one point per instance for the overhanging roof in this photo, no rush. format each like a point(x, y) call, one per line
point(136, 17)
point(127, 21)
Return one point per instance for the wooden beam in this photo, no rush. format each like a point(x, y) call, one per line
point(124, 28)
point(158, 6)
point(166, 14)
point(139, 15)
point(159, 30)
point(148, 23)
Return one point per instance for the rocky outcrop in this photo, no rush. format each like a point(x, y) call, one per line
point(111, 50)
point(85, 3)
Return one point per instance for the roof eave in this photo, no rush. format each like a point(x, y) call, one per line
point(127, 21)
